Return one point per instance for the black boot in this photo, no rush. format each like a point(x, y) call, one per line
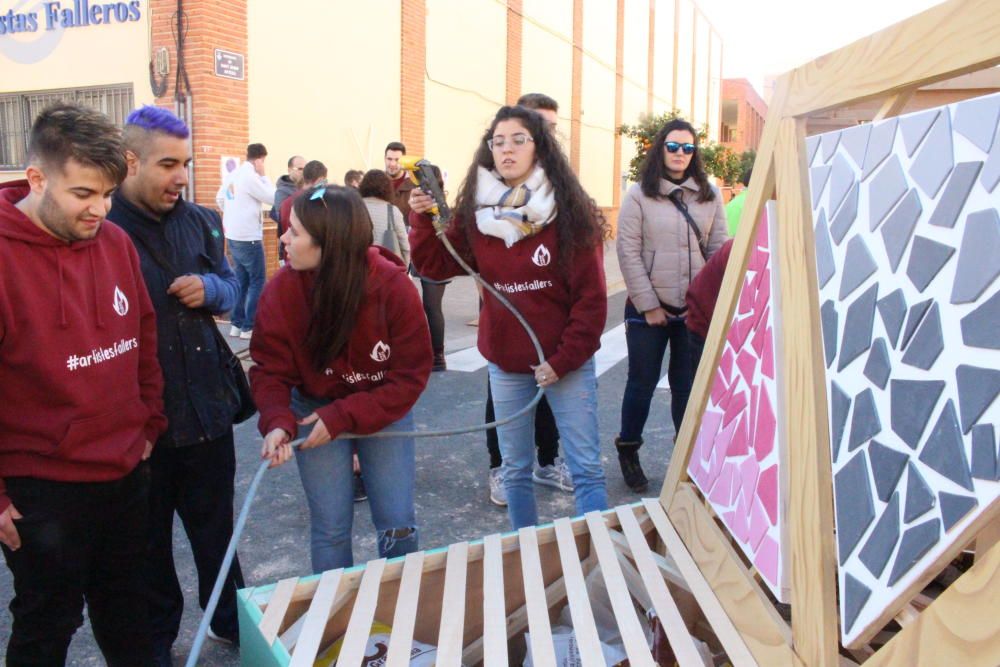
point(628, 459)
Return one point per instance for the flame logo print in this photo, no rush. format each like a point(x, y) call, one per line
point(542, 256)
point(121, 303)
point(380, 352)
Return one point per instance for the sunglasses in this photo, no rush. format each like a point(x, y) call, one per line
point(673, 147)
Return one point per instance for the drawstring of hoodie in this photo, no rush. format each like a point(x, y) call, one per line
point(62, 301)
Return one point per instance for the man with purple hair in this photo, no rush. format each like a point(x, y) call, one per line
point(188, 278)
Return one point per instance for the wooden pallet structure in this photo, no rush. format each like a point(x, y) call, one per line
point(762, 503)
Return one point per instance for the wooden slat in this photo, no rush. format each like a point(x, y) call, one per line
point(494, 609)
point(449, 645)
point(576, 589)
point(401, 640)
point(986, 538)
point(961, 627)
point(945, 41)
point(810, 491)
point(276, 609)
point(352, 651)
point(673, 624)
point(540, 631)
point(621, 602)
point(315, 620)
point(666, 566)
point(633, 580)
point(894, 105)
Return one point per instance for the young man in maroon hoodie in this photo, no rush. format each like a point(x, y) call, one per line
point(81, 398)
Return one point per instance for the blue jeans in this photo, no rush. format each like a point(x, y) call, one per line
point(573, 400)
point(248, 264)
point(646, 346)
point(388, 467)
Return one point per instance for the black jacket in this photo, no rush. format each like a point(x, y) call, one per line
point(199, 398)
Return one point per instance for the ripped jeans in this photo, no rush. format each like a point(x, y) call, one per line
point(388, 469)
point(573, 400)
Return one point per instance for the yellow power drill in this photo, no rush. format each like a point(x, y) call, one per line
point(423, 176)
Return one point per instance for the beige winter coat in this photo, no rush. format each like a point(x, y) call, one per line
point(657, 250)
point(378, 210)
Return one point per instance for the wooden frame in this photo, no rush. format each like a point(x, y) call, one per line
point(474, 600)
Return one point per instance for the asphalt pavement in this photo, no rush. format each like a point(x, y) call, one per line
point(452, 490)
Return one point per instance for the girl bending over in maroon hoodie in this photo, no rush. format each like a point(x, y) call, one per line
point(523, 221)
point(341, 345)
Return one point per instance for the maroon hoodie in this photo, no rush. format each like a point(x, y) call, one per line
point(377, 377)
point(81, 388)
point(703, 291)
point(567, 310)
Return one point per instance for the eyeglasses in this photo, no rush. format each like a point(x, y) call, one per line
point(673, 147)
point(517, 140)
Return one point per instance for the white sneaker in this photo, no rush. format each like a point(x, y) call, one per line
point(556, 475)
point(217, 638)
point(498, 494)
point(234, 332)
point(245, 335)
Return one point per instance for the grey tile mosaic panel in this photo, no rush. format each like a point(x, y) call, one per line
point(977, 389)
point(927, 258)
point(955, 194)
point(979, 257)
point(898, 227)
point(980, 327)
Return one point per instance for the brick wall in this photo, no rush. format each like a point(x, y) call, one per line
point(514, 30)
point(413, 59)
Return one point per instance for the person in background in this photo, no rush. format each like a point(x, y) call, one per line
point(734, 209)
point(81, 401)
point(701, 296)
point(340, 347)
point(388, 226)
point(670, 223)
point(313, 174)
point(244, 235)
point(286, 186)
point(524, 222)
point(352, 178)
point(189, 280)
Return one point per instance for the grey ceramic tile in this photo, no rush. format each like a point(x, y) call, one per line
point(885, 191)
point(984, 453)
point(879, 146)
point(944, 451)
point(842, 179)
point(825, 266)
point(910, 407)
point(887, 467)
point(892, 309)
point(859, 265)
point(865, 423)
point(977, 389)
point(856, 596)
point(927, 343)
point(855, 141)
point(915, 543)
point(914, 128)
point(840, 406)
point(951, 201)
point(935, 158)
point(913, 319)
point(976, 120)
point(829, 319)
point(818, 176)
point(878, 367)
point(812, 143)
point(990, 175)
point(919, 498)
point(980, 327)
point(854, 506)
point(978, 263)
point(846, 215)
point(857, 336)
point(880, 544)
point(954, 507)
point(829, 142)
point(898, 227)
point(927, 258)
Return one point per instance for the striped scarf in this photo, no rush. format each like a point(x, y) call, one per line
point(512, 214)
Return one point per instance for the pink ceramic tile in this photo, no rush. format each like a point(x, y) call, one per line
point(758, 525)
point(726, 364)
point(747, 364)
point(741, 523)
point(767, 355)
point(766, 560)
point(758, 340)
point(746, 301)
point(739, 445)
point(737, 402)
point(719, 387)
point(766, 425)
point(763, 296)
point(767, 491)
point(723, 487)
point(752, 423)
point(748, 478)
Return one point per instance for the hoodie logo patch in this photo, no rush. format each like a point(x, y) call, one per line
point(121, 303)
point(381, 352)
point(542, 256)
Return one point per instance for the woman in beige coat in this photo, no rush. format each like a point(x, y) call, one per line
point(388, 224)
point(660, 250)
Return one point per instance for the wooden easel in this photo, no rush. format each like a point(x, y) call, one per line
point(961, 626)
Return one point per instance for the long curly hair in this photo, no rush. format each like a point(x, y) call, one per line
point(653, 169)
point(580, 225)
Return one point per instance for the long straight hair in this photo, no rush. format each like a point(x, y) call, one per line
point(337, 221)
point(654, 171)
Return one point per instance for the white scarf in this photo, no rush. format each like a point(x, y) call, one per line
point(512, 214)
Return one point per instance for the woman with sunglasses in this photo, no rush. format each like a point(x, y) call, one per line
point(341, 345)
point(669, 224)
point(524, 222)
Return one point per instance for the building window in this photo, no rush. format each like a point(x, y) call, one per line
point(18, 111)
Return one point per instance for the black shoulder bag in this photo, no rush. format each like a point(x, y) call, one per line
point(231, 365)
point(675, 197)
